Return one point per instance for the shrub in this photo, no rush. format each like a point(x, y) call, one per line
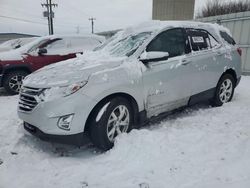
point(217, 7)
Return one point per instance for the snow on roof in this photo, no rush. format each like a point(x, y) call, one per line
point(160, 25)
point(157, 26)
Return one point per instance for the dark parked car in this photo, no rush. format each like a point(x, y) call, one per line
point(18, 63)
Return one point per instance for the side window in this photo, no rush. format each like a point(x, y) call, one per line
point(201, 40)
point(38, 45)
point(56, 44)
point(227, 38)
point(85, 43)
point(172, 41)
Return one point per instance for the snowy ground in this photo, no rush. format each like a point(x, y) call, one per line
point(201, 147)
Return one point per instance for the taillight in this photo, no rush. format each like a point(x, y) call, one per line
point(239, 50)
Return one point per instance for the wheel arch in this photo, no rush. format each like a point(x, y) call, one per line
point(9, 69)
point(232, 73)
point(17, 68)
point(102, 102)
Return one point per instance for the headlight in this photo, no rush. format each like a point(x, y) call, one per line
point(60, 91)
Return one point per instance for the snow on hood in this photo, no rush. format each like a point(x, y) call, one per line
point(11, 55)
point(73, 70)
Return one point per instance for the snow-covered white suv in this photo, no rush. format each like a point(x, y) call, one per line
point(138, 74)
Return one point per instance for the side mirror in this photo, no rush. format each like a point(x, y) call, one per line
point(17, 46)
point(42, 51)
point(147, 57)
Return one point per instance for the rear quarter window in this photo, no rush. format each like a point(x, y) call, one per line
point(227, 38)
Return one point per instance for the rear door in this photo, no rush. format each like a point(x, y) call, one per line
point(166, 82)
point(206, 57)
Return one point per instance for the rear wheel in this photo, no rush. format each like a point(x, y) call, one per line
point(224, 90)
point(110, 120)
point(13, 81)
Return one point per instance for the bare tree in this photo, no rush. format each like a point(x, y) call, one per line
point(217, 7)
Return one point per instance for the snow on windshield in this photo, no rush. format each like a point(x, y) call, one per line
point(124, 45)
point(128, 45)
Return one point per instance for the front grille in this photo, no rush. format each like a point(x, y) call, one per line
point(28, 98)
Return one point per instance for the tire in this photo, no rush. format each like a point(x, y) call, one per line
point(224, 90)
point(106, 122)
point(13, 81)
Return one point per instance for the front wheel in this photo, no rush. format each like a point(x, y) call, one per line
point(13, 81)
point(110, 120)
point(224, 90)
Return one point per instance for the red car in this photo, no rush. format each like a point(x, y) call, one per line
point(16, 64)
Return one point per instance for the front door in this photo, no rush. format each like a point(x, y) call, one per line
point(166, 83)
point(56, 51)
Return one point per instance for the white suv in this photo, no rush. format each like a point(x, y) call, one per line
point(138, 74)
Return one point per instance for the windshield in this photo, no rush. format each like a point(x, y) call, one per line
point(16, 43)
point(125, 46)
point(37, 45)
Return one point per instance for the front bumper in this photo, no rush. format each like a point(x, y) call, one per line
point(76, 139)
point(45, 116)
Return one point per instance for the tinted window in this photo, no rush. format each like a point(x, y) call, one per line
point(227, 38)
point(56, 44)
point(38, 45)
point(198, 39)
point(201, 40)
point(84, 42)
point(172, 41)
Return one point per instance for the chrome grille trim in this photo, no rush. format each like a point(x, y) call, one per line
point(27, 98)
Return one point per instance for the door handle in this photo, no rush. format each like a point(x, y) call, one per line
point(185, 62)
point(219, 53)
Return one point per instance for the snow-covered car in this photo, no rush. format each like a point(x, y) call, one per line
point(15, 43)
point(18, 63)
point(140, 73)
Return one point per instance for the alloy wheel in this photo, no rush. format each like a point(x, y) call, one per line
point(118, 122)
point(226, 91)
point(16, 82)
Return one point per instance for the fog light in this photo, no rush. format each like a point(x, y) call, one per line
point(64, 122)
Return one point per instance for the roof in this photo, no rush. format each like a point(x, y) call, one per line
point(157, 26)
point(22, 34)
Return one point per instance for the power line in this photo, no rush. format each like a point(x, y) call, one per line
point(34, 22)
point(21, 19)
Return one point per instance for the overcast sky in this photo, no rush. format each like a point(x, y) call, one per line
point(72, 15)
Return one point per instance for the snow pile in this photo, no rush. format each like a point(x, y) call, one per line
point(198, 147)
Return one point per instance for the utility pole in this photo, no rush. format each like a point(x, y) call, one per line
point(49, 14)
point(92, 23)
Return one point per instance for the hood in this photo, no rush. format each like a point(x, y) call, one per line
point(12, 55)
point(4, 49)
point(71, 71)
